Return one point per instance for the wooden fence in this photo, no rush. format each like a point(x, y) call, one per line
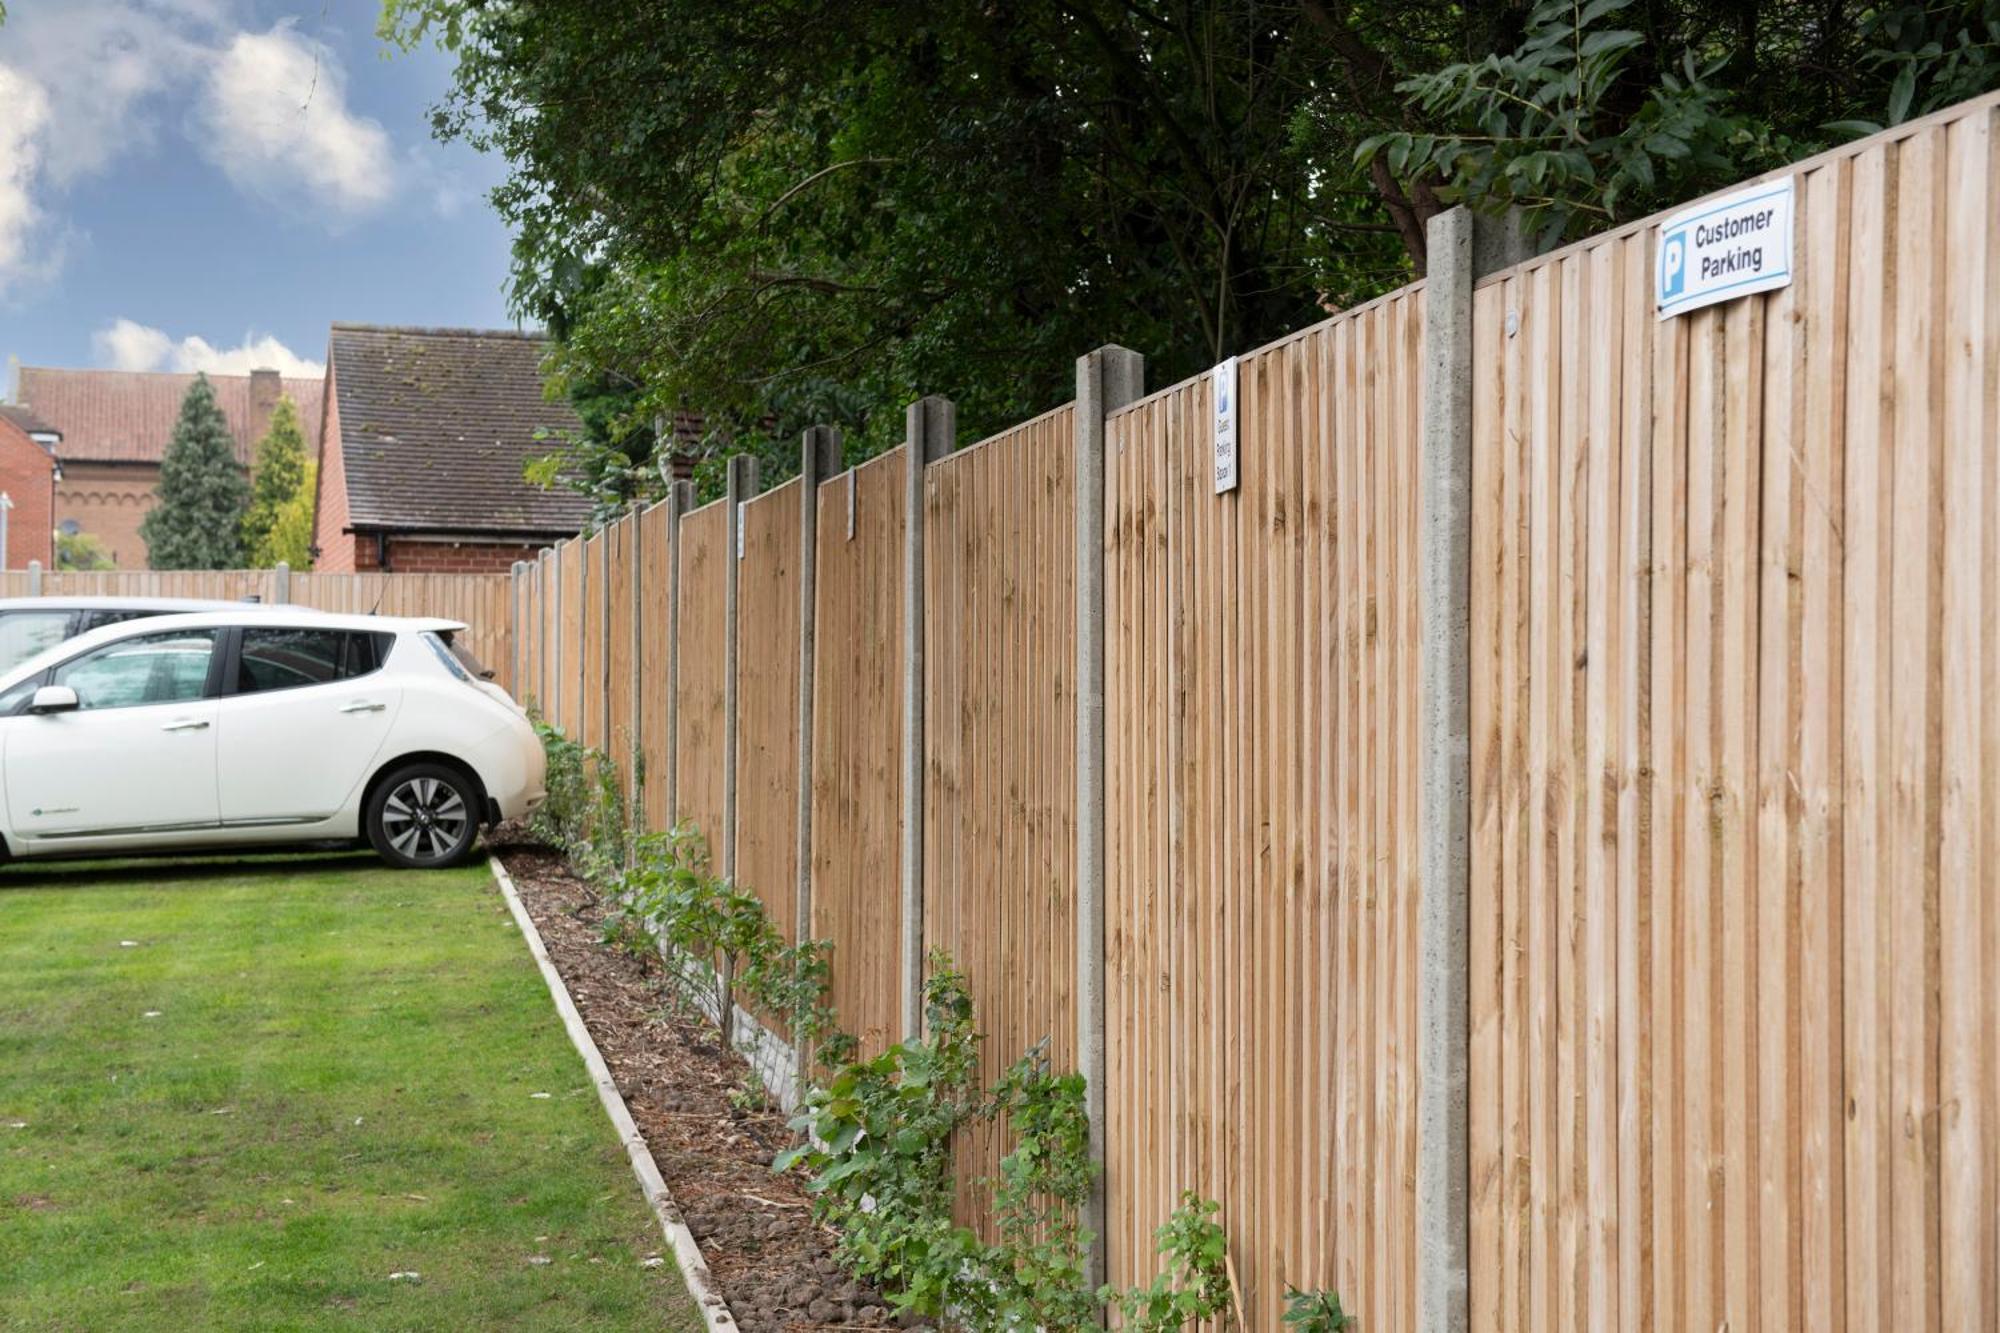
point(481, 601)
point(1730, 749)
point(1261, 893)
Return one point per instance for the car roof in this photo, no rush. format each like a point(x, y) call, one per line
point(236, 615)
point(160, 604)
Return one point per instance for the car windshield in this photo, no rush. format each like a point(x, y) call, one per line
point(23, 634)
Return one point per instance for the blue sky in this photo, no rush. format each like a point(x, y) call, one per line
point(206, 184)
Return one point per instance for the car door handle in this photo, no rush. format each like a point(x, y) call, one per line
point(185, 724)
point(363, 706)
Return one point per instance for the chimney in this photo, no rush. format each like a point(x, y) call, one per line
point(265, 389)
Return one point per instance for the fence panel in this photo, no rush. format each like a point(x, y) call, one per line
point(620, 621)
point(857, 742)
point(1734, 747)
point(571, 683)
point(1261, 888)
point(655, 534)
point(703, 667)
point(767, 701)
point(1000, 732)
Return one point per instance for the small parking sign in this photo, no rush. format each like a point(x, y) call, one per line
point(1726, 248)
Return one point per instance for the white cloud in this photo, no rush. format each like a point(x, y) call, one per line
point(127, 344)
point(21, 128)
point(103, 62)
point(273, 115)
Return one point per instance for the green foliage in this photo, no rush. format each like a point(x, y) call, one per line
point(198, 521)
point(280, 473)
point(1546, 128)
point(1194, 1285)
point(1315, 1311)
point(1037, 1270)
point(585, 813)
point(81, 551)
point(878, 1152)
point(783, 212)
point(1934, 54)
point(290, 539)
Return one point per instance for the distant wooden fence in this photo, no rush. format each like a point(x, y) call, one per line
point(1728, 772)
point(481, 601)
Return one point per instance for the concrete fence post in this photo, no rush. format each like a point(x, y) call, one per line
point(680, 500)
point(930, 427)
point(34, 578)
point(1444, 802)
point(819, 459)
point(742, 485)
point(1106, 380)
point(281, 584)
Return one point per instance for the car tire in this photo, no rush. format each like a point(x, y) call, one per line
point(424, 817)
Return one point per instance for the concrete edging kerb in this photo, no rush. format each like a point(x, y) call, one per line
point(688, 1258)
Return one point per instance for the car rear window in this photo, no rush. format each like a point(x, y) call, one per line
point(290, 659)
point(25, 633)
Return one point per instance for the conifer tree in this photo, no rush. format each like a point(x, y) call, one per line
point(275, 479)
point(198, 522)
point(291, 534)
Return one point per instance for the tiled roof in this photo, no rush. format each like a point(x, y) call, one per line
point(435, 425)
point(127, 416)
point(27, 421)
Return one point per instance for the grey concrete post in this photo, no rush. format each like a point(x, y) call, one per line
point(1106, 380)
point(1444, 801)
point(930, 428)
point(34, 578)
point(742, 485)
point(281, 584)
point(819, 459)
point(681, 498)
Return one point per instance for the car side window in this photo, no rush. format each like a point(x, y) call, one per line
point(166, 668)
point(14, 700)
point(290, 659)
point(25, 633)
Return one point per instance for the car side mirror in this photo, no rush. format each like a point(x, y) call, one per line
point(54, 699)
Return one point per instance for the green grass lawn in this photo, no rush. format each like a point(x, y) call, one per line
point(302, 1075)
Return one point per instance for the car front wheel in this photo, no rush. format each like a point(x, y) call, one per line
point(424, 817)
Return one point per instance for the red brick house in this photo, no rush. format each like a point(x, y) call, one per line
point(28, 476)
point(421, 450)
point(115, 425)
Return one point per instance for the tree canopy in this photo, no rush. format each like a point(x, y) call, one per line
point(275, 482)
point(782, 211)
point(198, 521)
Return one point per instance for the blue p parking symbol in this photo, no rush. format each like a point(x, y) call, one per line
point(1673, 265)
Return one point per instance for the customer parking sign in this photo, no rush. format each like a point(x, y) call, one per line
point(1725, 248)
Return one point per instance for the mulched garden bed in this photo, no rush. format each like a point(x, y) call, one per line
point(701, 1111)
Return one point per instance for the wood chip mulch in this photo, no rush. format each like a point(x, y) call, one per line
point(713, 1139)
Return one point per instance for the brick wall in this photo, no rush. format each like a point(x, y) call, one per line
point(407, 556)
point(27, 475)
point(337, 550)
point(109, 501)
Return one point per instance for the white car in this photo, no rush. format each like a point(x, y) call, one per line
point(250, 728)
